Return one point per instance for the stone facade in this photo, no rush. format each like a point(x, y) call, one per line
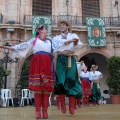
point(16, 9)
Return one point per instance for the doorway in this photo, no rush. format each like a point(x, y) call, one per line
point(101, 61)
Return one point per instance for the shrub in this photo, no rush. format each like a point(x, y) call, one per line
point(113, 81)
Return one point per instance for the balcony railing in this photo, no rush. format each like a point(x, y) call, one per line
point(27, 20)
point(1, 19)
point(74, 20)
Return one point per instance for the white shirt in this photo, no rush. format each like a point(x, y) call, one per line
point(96, 75)
point(22, 49)
point(80, 67)
point(83, 74)
point(58, 43)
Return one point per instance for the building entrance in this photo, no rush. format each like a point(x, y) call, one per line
point(100, 60)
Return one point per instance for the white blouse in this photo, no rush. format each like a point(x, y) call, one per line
point(58, 43)
point(96, 75)
point(83, 74)
point(22, 49)
point(80, 67)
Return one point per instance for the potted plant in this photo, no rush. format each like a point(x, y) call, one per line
point(113, 81)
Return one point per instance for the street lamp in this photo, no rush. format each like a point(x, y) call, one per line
point(67, 1)
point(6, 59)
point(116, 4)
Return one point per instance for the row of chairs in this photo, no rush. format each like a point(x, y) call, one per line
point(26, 95)
point(6, 96)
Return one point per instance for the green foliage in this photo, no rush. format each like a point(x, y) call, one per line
point(2, 74)
point(7, 72)
point(113, 81)
point(23, 81)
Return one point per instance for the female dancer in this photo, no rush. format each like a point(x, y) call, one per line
point(95, 76)
point(40, 77)
point(86, 87)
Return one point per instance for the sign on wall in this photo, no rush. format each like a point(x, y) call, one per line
point(96, 31)
point(44, 20)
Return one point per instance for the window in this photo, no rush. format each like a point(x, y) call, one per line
point(42, 7)
point(90, 8)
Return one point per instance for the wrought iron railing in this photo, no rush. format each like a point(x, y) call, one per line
point(112, 21)
point(74, 20)
point(27, 20)
point(1, 18)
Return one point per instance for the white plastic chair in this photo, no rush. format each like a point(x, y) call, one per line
point(25, 96)
point(6, 96)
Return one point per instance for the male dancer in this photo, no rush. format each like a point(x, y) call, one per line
point(67, 82)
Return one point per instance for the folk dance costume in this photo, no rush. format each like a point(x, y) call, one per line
point(40, 77)
point(96, 94)
point(80, 67)
point(86, 87)
point(67, 82)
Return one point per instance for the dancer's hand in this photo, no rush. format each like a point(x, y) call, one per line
point(7, 47)
point(67, 42)
point(1, 46)
point(75, 41)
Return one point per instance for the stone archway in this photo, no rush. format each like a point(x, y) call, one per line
point(28, 57)
point(21, 63)
point(22, 81)
point(101, 61)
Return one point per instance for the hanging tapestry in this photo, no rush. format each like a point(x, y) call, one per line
point(96, 31)
point(41, 20)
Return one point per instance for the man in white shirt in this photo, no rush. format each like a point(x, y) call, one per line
point(67, 82)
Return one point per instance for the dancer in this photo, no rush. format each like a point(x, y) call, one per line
point(95, 77)
point(80, 67)
point(40, 78)
point(67, 82)
point(86, 87)
point(58, 102)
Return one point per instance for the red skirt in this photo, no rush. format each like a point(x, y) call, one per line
point(41, 76)
point(86, 88)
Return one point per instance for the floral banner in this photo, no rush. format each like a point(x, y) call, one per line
point(44, 20)
point(96, 31)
